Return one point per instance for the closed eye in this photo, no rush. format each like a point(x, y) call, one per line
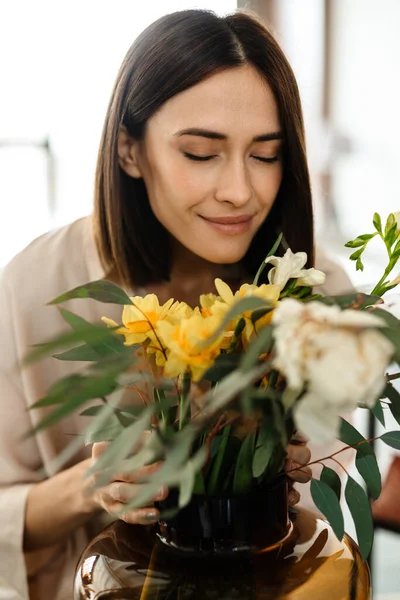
point(198, 158)
point(266, 160)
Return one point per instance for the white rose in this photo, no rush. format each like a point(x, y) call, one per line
point(290, 266)
point(338, 357)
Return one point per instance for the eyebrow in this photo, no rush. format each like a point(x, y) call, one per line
point(214, 135)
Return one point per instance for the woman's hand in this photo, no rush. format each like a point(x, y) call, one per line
point(298, 456)
point(123, 489)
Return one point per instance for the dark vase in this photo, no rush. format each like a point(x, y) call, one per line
point(244, 548)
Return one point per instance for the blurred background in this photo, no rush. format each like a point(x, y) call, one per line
point(57, 68)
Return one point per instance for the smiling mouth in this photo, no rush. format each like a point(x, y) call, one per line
point(230, 225)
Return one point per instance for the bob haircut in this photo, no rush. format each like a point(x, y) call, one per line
point(173, 54)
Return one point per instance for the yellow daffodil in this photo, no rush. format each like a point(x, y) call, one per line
point(269, 292)
point(185, 345)
point(207, 303)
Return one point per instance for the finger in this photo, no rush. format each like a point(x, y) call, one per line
point(298, 454)
point(124, 493)
point(297, 438)
point(134, 516)
point(99, 447)
point(138, 475)
point(300, 474)
point(293, 497)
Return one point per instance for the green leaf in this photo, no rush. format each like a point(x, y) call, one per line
point(377, 222)
point(249, 303)
point(80, 353)
point(223, 365)
point(111, 344)
point(327, 502)
point(394, 397)
point(393, 335)
point(391, 235)
point(360, 510)
point(366, 236)
point(261, 344)
point(188, 476)
point(76, 389)
point(213, 478)
point(259, 314)
point(366, 462)
point(355, 301)
point(125, 443)
point(392, 439)
point(377, 410)
point(243, 476)
point(106, 433)
point(332, 479)
point(91, 334)
point(103, 291)
point(267, 440)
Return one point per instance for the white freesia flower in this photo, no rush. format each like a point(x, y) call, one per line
point(337, 357)
point(391, 302)
point(290, 266)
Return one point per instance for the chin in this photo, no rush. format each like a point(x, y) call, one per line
point(224, 258)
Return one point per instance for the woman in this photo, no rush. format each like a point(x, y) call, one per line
point(201, 163)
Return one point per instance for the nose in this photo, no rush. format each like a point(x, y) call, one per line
point(234, 184)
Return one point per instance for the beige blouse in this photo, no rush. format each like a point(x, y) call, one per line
point(54, 263)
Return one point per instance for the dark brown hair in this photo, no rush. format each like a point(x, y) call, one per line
point(173, 54)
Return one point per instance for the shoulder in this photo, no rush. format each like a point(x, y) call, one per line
point(54, 261)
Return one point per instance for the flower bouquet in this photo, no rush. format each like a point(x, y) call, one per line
point(225, 385)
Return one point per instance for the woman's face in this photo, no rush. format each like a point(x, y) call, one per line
point(211, 163)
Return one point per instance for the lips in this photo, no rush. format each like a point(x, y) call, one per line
point(229, 220)
point(230, 225)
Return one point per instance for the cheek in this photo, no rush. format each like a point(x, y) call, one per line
point(268, 187)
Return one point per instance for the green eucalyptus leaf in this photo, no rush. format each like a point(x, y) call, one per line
point(127, 440)
point(356, 301)
point(366, 462)
point(215, 470)
point(223, 366)
point(188, 477)
point(90, 334)
point(76, 389)
point(111, 344)
point(103, 291)
point(106, 433)
point(360, 510)
point(394, 397)
point(259, 314)
point(327, 502)
point(332, 479)
point(377, 411)
point(392, 439)
point(80, 353)
point(261, 344)
point(266, 442)
point(243, 472)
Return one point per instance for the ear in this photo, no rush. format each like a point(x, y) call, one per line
point(128, 154)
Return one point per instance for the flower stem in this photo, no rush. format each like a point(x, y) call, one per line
point(184, 401)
